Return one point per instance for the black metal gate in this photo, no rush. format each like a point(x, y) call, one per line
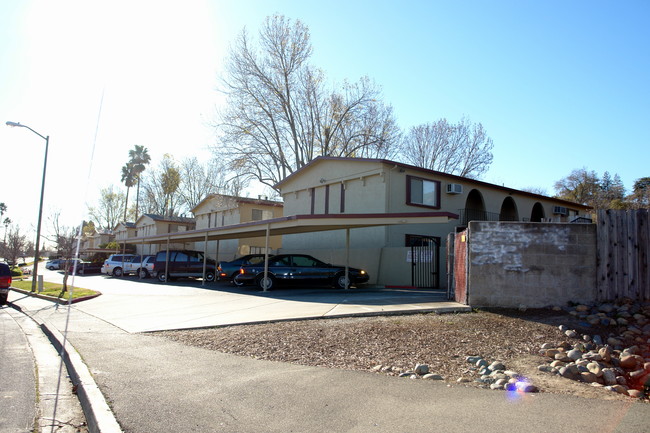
point(425, 261)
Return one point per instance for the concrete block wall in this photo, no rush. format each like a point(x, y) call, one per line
point(532, 264)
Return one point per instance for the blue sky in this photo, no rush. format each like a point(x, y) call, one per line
point(557, 85)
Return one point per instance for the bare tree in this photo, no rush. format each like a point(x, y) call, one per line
point(160, 187)
point(198, 180)
point(280, 115)
point(581, 186)
point(463, 149)
point(15, 244)
point(109, 209)
point(640, 197)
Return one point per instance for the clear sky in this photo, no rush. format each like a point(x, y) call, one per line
point(557, 85)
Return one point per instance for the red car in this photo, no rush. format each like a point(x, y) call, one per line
point(5, 282)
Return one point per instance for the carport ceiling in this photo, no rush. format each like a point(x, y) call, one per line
point(298, 224)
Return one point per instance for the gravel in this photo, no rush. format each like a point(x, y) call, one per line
point(395, 345)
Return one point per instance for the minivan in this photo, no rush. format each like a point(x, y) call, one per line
point(183, 263)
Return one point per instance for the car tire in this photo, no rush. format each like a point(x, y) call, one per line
point(339, 281)
point(209, 276)
point(80, 271)
point(3, 299)
point(234, 280)
point(162, 277)
point(265, 284)
point(117, 272)
point(143, 273)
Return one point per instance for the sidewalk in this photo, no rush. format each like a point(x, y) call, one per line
point(156, 385)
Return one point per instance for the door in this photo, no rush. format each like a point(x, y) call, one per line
point(425, 261)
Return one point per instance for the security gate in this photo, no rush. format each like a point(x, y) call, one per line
point(425, 261)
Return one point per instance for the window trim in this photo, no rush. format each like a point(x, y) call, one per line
point(409, 178)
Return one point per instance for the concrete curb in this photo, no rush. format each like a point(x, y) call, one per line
point(99, 417)
point(51, 298)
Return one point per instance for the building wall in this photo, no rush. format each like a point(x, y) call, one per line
point(531, 264)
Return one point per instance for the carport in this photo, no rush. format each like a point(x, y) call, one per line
point(294, 224)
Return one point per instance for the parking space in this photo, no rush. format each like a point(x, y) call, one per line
point(137, 305)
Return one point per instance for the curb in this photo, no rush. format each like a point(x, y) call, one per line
point(99, 417)
point(52, 298)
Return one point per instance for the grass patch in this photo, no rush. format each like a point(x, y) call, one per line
point(54, 289)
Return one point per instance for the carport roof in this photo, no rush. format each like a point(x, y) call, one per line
point(298, 224)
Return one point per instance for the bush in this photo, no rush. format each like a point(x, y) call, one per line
point(16, 271)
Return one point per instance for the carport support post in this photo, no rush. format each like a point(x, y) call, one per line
point(266, 256)
point(167, 263)
point(141, 256)
point(205, 259)
point(347, 258)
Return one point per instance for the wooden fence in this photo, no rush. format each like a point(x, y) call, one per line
point(623, 243)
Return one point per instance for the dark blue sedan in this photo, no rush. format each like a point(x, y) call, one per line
point(299, 268)
point(229, 270)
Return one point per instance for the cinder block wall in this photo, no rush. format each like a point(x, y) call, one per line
point(532, 264)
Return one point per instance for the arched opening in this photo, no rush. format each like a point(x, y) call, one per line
point(537, 215)
point(474, 208)
point(508, 210)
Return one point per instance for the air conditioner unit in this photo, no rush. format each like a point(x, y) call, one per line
point(560, 210)
point(454, 188)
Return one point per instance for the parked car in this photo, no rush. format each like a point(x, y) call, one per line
point(114, 265)
point(53, 265)
point(134, 265)
point(84, 268)
point(183, 263)
point(229, 270)
point(294, 268)
point(5, 282)
point(143, 269)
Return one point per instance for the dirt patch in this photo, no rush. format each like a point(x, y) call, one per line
point(400, 342)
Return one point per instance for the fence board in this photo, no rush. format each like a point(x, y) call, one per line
point(623, 239)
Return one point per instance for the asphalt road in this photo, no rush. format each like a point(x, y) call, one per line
point(17, 378)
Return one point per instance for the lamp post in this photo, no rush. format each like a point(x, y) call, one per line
point(37, 249)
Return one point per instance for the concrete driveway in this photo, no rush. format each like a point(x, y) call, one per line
point(136, 305)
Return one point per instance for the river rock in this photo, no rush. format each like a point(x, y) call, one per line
point(609, 376)
point(421, 369)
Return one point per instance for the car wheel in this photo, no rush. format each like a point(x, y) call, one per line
point(235, 281)
point(265, 283)
point(340, 280)
point(162, 277)
point(209, 276)
point(143, 273)
point(49, 267)
point(3, 299)
point(80, 271)
point(117, 272)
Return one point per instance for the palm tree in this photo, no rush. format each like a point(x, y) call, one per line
point(128, 177)
point(139, 159)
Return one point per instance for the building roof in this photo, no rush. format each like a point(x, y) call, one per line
point(452, 177)
point(160, 218)
point(246, 200)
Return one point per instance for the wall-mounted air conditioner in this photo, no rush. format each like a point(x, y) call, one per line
point(454, 188)
point(560, 210)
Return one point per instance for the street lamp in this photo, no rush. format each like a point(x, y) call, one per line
point(37, 251)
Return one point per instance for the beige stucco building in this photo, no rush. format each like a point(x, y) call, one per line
point(330, 185)
point(218, 210)
point(152, 224)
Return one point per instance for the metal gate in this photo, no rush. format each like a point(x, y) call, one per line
point(425, 261)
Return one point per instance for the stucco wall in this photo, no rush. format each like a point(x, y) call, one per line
point(531, 264)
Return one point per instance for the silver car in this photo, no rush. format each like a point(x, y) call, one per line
point(114, 265)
